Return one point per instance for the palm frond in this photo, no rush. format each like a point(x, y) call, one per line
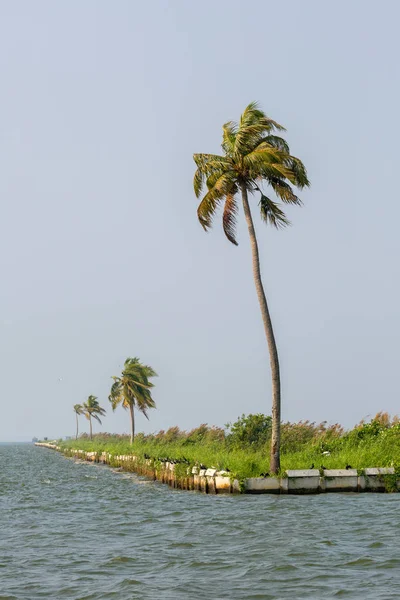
point(207, 207)
point(261, 166)
point(276, 142)
point(253, 126)
point(144, 403)
point(115, 396)
point(129, 362)
point(261, 158)
point(228, 137)
point(207, 166)
point(92, 407)
point(253, 114)
point(300, 178)
point(204, 160)
point(149, 371)
point(284, 191)
point(212, 179)
point(281, 170)
point(271, 213)
point(229, 218)
point(198, 182)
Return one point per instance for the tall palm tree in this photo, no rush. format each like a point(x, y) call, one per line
point(133, 389)
point(78, 410)
point(92, 410)
point(253, 156)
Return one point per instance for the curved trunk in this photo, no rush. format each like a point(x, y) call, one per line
point(90, 424)
point(269, 332)
point(76, 437)
point(132, 423)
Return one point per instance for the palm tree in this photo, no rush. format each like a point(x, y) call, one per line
point(252, 156)
point(78, 410)
point(92, 409)
point(133, 388)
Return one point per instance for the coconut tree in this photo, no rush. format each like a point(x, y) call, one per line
point(253, 158)
point(78, 410)
point(133, 389)
point(92, 409)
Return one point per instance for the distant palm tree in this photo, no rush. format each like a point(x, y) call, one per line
point(92, 409)
point(78, 410)
point(133, 389)
point(252, 155)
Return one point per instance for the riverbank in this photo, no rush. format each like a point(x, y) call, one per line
point(213, 481)
point(242, 449)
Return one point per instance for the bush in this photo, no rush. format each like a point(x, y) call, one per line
point(251, 431)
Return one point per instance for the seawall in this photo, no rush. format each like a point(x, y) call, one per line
point(212, 481)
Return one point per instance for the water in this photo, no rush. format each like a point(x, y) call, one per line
point(78, 531)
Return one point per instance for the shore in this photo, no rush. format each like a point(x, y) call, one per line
point(212, 481)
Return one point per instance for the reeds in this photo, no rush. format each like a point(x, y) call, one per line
point(304, 444)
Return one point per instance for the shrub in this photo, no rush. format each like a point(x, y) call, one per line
point(251, 431)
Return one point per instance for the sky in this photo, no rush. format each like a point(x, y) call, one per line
point(102, 106)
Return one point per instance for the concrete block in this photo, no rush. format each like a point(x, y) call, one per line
point(305, 481)
point(210, 472)
point(211, 485)
point(303, 485)
point(361, 483)
point(375, 479)
point(91, 456)
point(235, 486)
point(385, 471)
point(374, 484)
point(341, 480)
point(303, 473)
point(340, 473)
point(222, 484)
point(203, 484)
point(284, 485)
point(262, 485)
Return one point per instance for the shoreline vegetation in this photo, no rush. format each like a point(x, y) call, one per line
point(241, 448)
point(255, 445)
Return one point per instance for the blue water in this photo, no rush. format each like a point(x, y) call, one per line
point(79, 531)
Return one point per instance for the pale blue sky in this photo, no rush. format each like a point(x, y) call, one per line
point(102, 105)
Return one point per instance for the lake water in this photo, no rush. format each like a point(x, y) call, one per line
point(78, 531)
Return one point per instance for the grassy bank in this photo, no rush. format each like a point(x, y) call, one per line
point(243, 448)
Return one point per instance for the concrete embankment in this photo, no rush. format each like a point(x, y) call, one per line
point(212, 481)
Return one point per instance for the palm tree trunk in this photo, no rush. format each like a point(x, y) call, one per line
point(275, 461)
point(132, 423)
point(76, 426)
point(90, 424)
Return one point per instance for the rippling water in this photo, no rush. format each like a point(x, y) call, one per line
point(79, 531)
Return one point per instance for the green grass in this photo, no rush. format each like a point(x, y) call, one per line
point(374, 444)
